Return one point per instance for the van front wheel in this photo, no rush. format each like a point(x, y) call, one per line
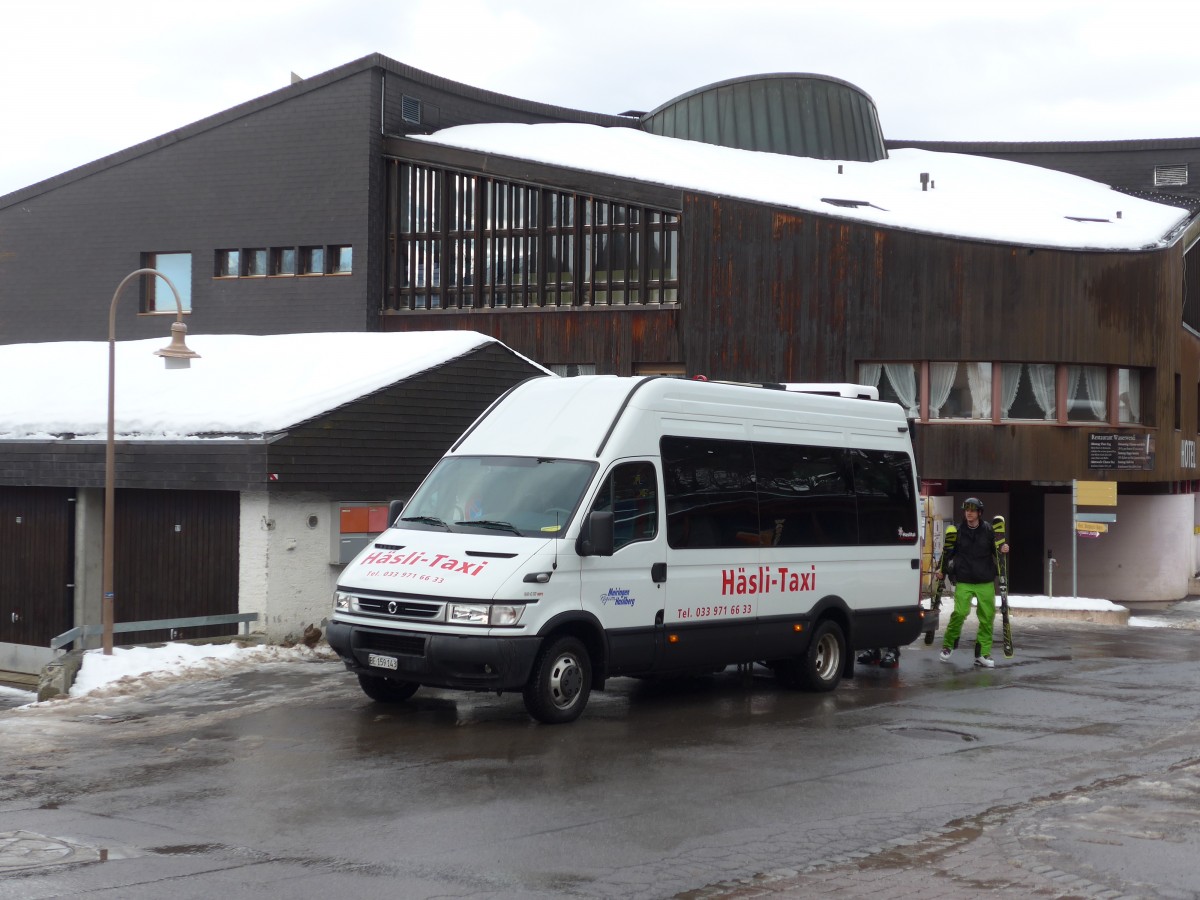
point(558, 689)
point(820, 668)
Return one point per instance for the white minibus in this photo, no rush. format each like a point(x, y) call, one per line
point(588, 528)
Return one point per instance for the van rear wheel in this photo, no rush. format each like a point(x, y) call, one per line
point(561, 681)
point(820, 668)
point(384, 690)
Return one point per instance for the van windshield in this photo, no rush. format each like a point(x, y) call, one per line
point(520, 495)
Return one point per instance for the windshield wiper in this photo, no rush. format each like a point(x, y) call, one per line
point(492, 523)
point(425, 520)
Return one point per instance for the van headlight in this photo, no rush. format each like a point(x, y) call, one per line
point(341, 602)
point(483, 614)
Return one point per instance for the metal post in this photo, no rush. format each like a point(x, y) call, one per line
point(1074, 539)
point(109, 600)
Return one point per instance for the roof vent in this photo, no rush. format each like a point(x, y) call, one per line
point(1170, 175)
point(410, 109)
point(850, 204)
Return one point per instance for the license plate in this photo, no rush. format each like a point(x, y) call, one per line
point(381, 662)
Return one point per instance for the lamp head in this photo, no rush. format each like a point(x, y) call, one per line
point(176, 355)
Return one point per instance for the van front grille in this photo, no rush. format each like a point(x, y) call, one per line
point(401, 644)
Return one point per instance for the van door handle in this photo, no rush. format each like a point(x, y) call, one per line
point(658, 572)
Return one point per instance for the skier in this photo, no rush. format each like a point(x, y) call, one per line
point(972, 563)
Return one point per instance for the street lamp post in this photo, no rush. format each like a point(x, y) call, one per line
point(176, 356)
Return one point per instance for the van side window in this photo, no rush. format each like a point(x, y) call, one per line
point(711, 500)
point(883, 482)
point(738, 494)
point(631, 493)
point(805, 495)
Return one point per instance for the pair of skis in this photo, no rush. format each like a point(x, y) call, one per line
point(1000, 532)
point(938, 585)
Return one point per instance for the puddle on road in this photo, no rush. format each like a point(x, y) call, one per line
point(933, 734)
point(186, 849)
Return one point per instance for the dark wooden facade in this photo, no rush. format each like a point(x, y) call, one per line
point(37, 563)
point(380, 446)
point(774, 294)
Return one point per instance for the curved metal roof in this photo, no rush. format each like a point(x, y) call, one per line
point(799, 114)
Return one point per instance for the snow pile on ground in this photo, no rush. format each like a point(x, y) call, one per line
point(1026, 601)
point(131, 670)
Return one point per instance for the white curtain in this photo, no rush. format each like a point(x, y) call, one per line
point(1097, 387)
point(868, 373)
point(1091, 379)
point(903, 378)
point(941, 380)
point(979, 380)
point(1041, 379)
point(1010, 383)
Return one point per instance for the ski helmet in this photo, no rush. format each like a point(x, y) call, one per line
point(973, 503)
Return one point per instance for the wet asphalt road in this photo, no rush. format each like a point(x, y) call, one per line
point(1072, 770)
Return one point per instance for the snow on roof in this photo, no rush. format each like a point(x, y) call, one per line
point(241, 384)
point(971, 197)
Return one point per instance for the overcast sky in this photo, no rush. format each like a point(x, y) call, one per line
point(80, 80)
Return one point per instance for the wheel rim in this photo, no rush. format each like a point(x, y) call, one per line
point(566, 680)
point(827, 660)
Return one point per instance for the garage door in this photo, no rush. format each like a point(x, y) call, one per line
point(37, 537)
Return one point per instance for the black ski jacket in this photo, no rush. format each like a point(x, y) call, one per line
point(973, 557)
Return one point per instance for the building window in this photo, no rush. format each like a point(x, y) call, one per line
point(1023, 392)
point(570, 370)
point(1027, 392)
point(516, 245)
point(1087, 394)
point(897, 383)
point(312, 260)
point(254, 263)
point(960, 390)
point(156, 295)
point(1170, 175)
point(340, 260)
point(1129, 396)
point(228, 263)
point(283, 260)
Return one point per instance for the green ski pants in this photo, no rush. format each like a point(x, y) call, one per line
point(985, 595)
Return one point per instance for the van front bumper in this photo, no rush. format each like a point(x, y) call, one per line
point(469, 662)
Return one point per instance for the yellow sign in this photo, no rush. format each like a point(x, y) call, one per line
point(1096, 493)
point(1091, 526)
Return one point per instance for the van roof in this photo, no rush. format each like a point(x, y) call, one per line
point(575, 417)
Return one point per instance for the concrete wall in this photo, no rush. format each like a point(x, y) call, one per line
point(286, 574)
point(1148, 555)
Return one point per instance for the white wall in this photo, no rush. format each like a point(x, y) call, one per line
point(1148, 554)
point(253, 556)
point(286, 576)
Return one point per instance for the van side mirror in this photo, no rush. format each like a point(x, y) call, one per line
point(596, 537)
point(395, 507)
